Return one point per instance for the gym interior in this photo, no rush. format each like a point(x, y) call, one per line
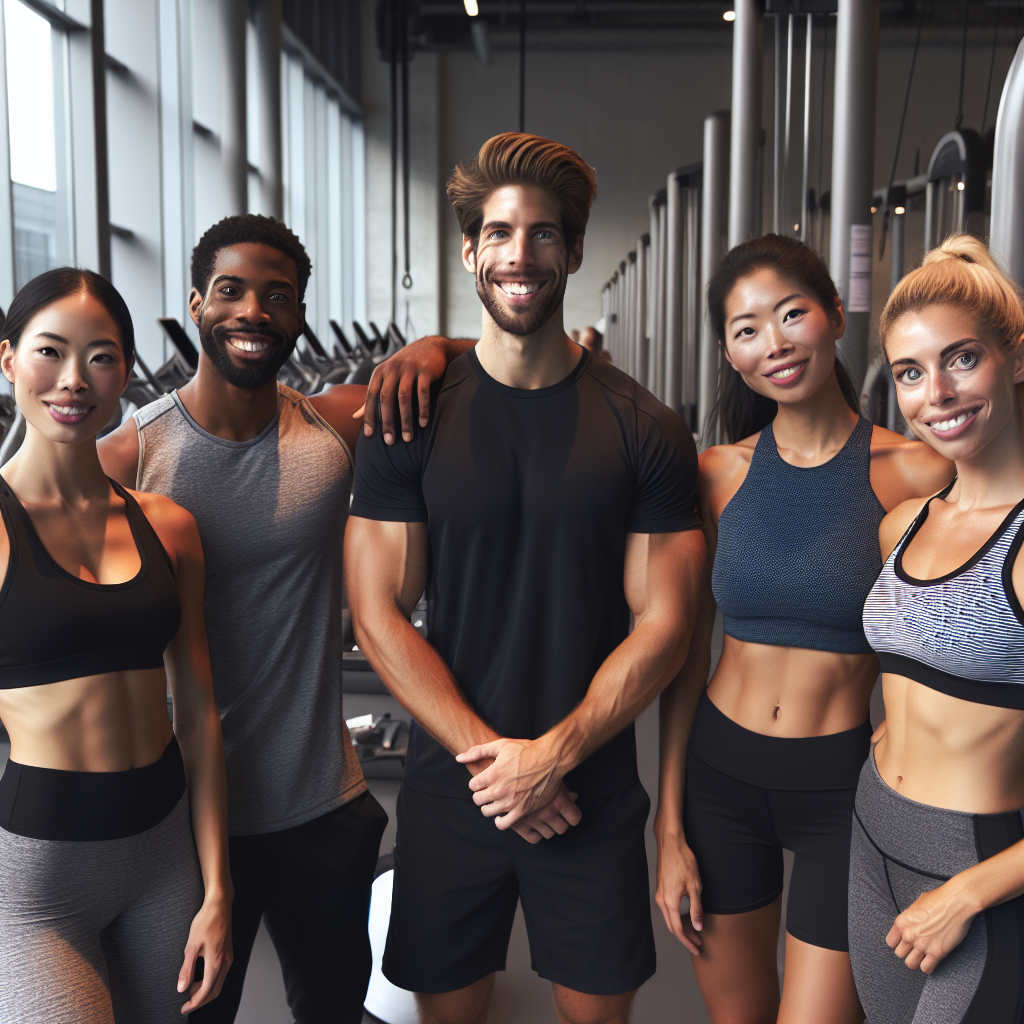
point(869, 129)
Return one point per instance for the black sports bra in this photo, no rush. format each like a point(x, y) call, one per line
point(54, 626)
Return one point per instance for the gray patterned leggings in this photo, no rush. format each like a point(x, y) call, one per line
point(901, 849)
point(94, 932)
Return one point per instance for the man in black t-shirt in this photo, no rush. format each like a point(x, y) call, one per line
point(550, 497)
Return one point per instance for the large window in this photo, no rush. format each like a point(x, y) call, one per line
point(164, 167)
point(31, 49)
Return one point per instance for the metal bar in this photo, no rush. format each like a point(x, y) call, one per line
point(691, 307)
point(99, 120)
point(674, 220)
point(747, 32)
point(652, 296)
point(853, 153)
point(777, 127)
point(268, 48)
point(713, 231)
point(897, 249)
point(643, 252)
point(788, 128)
point(805, 178)
point(930, 211)
point(1007, 231)
point(233, 134)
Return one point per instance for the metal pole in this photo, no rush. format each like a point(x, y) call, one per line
point(1007, 232)
point(788, 136)
point(674, 215)
point(805, 180)
point(777, 127)
point(643, 248)
point(99, 114)
point(746, 119)
point(691, 306)
point(713, 230)
point(233, 135)
point(268, 48)
point(652, 300)
point(896, 249)
point(659, 313)
point(853, 155)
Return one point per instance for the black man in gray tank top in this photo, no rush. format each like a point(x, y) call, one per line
point(267, 473)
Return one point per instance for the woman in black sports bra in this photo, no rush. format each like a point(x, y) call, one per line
point(106, 900)
point(766, 758)
point(937, 864)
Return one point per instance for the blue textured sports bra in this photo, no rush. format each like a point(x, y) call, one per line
point(798, 549)
point(962, 633)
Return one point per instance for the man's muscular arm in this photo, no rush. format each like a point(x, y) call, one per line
point(663, 585)
point(385, 573)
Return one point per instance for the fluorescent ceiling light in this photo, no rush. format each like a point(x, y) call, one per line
point(472, 8)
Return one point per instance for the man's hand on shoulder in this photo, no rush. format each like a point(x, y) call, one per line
point(119, 454)
point(411, 371)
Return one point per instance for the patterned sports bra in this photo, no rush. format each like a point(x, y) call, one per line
point(962, 633)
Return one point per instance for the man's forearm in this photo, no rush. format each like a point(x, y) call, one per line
point(420, 681)
point(630, 678)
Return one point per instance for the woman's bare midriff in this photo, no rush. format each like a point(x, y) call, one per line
point(104, 723)
point(946, 752)
point(792, 692)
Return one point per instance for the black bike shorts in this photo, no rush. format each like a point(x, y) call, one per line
point(585, 896)
point(749, 796)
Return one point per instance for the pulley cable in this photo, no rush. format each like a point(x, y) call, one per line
point(407, 277)
point(963, 68)
point(903, 121)
point(991, 68)
point(393, 69)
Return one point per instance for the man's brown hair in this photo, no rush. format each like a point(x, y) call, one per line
point(517, 159)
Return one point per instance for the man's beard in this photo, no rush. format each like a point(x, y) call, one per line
point(250, 376)
point(520, 324)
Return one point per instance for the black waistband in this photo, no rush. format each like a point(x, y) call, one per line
point(808, 763)
point(45, 803)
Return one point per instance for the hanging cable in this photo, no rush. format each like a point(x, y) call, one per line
point(963, 68)
point(522, 65)
point(991, 68)
point(407, 277)
point(393, 62)
point(903, 121)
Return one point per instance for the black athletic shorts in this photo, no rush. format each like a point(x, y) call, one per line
point(749, 796)
point(585, 896)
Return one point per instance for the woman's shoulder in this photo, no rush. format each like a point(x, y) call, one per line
point(175, 526)
point(722, 470)
point(896, 523)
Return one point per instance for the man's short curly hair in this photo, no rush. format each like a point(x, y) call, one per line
point(248, 227)
point(517, 159)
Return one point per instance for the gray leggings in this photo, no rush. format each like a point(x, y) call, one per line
point(901, 849)
point(95, 932)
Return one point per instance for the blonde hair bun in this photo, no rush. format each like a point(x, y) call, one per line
point(960, 272)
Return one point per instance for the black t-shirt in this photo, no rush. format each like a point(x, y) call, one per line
point(528, 497)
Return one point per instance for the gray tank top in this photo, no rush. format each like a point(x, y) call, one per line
point(271, 514)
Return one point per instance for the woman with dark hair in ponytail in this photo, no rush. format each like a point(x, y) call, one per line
point(767, 758)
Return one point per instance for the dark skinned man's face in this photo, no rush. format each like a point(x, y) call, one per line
point(250, 317)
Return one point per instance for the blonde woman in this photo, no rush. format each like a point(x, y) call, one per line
point(937, 864)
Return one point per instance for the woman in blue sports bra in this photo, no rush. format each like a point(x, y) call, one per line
point(937, 865)
point(767, 757)
point(106, 899)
